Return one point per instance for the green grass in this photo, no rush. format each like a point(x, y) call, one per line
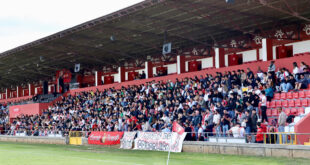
point(39, 154)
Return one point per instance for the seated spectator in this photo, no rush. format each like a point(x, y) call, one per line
point(302, 83)
point(288, 83)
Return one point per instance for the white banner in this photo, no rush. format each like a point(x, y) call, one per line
point(159, 141)
point(127, 140)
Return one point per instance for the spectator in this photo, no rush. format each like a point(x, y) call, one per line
point(269, 92)
point(260, 134)
point(225, 122)
point(281, 121)
point(237, 131)
point(263, 107)
point(216, 122)
point(302, 83)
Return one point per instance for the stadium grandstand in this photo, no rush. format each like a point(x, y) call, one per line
point(215, 71)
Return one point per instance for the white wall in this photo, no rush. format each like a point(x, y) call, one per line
point(172, 68)
point(249, 55)
point(300, 47)
point(226, 59)
point(206, 62)
point(274, 52)
point(116, 77)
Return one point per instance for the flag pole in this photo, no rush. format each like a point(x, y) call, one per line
point(169, 149)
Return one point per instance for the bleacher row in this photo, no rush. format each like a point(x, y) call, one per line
point(293, 103)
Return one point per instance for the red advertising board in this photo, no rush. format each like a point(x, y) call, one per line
point(105, 138)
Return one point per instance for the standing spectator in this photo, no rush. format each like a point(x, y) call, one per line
point(281, 123)
point(269, 92)
point(260, 134)
point(263, 107)
point(196, 122)
point(216, 122)
point(237, 131)
point(272, 69)
point(225, 122)
point(253, 122)
point(248, 123)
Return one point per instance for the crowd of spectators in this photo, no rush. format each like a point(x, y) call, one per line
point(228, 103)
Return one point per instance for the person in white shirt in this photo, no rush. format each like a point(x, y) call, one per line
point(263, 106)
point(295, 70)
point(237, 131)
point(216, 122)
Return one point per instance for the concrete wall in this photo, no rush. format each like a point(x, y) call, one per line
point(270, 150)
point(36, 140)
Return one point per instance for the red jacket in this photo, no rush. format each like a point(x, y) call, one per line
point(260, 135)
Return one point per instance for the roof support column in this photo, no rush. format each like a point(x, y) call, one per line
point(19, 91)
point(180, 64)
point(98, 78)
point(267, 49)
point(219, 57)
point(7, 91)
point(31, 89)
point(121, 74)
point(148, 69)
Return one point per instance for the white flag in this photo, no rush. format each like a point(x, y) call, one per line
point(77, 67)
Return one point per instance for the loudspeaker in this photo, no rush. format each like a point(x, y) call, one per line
point(45, 87)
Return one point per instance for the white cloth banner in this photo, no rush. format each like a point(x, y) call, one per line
point(159, 141)
point(127, 140)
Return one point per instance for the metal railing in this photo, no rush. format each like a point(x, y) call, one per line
point(284, 138)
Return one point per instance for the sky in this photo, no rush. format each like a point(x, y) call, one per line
point(24, 21)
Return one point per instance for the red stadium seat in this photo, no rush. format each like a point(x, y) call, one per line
point(289, 95)
point(297, 103)
point(301, 111)
point(295, 95)
point(291, 103)
point(308, 93)
point(279, 104)
point(272, 104)
point(277, 96)
point(302, 94)
point(285, 103)
point(287, 111)
point(274, 112)
point(304, 103)
point(294, 111)
point(268, 104)
point(268, 112)
point(283, 96)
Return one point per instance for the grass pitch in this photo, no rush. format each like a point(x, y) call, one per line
point(38, 154)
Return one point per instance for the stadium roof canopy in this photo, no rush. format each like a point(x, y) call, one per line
point(139, 30)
